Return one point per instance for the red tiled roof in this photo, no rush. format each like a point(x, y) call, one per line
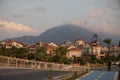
point(31, 46)
point(74, 49)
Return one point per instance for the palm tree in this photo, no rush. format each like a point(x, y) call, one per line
point(108, 42)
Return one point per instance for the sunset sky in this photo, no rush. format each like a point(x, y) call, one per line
point(32, 17)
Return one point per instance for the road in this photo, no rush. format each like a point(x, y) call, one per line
point(32, 74)
point(101, 73)
point(26, 74)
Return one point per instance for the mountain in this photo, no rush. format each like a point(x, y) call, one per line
point(25, 39)
point(63, 33)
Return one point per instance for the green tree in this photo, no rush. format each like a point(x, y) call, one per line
point(14, 52)
point(22, 53)
point(31, 56)
point(93, 59)
point(83, 61)
point(108, 42)
point(95, 39)
point(3, 51)
point(60, 54)
point(41, 54)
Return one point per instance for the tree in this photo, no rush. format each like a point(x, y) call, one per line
point(108, 42)
point(83, 61)
point(3, 51)
point(30, 56)
point(21, 53)
point(95, 39)
point(93, 59)
point(60, 54)
point(41, 54)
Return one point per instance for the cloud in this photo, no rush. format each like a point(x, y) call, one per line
point(1, 25)
point(86, 25)
point(77, 22)
point(18, 16)
point(11, 29)
point(93, 14)
point(96, 14)
point(104, 27)
point(111, 30)
point(40, 8)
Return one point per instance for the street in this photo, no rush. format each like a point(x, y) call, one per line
point(35, 74)
point(26, 74)
point(101, 73)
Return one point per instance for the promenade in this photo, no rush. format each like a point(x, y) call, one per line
point(100, 75)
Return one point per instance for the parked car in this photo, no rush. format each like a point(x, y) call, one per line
point(115, 63)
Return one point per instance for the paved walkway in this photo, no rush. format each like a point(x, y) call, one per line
point(100, 75)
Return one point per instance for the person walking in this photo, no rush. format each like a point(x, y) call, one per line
point(109, 66)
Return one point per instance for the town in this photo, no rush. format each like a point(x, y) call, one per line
point(70, 52)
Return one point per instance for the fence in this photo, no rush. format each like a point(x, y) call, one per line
point(24, 63)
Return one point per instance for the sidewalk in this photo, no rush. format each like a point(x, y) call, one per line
point(100, 75)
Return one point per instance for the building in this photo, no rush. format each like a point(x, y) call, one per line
point(79, 42)
point(86, 50)
point(31, 48)
point(51, 47)
point(11, 43)
point(73, 51)
point(115, 51)
point(97, 51)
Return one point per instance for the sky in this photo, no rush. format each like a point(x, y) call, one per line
point(32, 17)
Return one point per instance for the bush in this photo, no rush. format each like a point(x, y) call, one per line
point(67, 61)
point(93, 61)
point(83, 61)
point(100, 61)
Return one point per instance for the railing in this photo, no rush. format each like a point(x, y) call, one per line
point(24, 63)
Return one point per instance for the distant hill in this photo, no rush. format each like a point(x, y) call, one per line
point(63, 33)
point(25, 39)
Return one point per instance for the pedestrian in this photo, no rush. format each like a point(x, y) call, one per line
point(109, 66)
